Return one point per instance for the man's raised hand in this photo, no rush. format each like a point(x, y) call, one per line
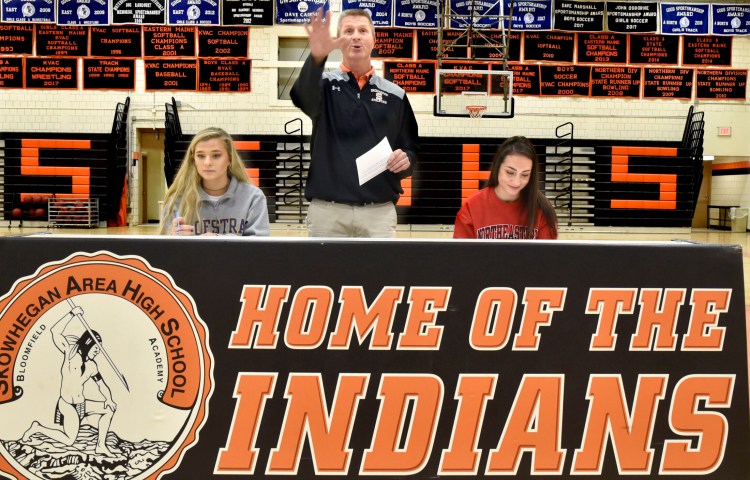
point(319, 34)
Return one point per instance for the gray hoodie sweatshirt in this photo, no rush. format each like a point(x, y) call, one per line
point(242, 210)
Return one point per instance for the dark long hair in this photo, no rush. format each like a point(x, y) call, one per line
point(84, 345)
point(530, 196)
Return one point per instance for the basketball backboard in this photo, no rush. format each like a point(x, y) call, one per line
point(474, 93)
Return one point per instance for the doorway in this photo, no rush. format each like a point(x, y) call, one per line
point(151, 172)
point(700, 217)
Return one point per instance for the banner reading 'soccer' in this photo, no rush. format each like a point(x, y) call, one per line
point(121, 358)
point(529, 15)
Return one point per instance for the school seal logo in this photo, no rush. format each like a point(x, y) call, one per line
point(105, 371)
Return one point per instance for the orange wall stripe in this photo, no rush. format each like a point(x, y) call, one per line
point(254, 174)
point(471, 166)
point(730, 165)
point(667, 196)
point(470, 148)
point(474, 176)
point(619, 160)
point(55, 144)
point(667, 182)
point(30, 162)
point(405, 199)
point(247, 145)
point(651, 151)
point(470, 173)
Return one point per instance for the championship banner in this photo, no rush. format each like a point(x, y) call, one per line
point(298, 11)
point(11, 72)
point(530, 15)
point(730, 19)
point(632, 17)
point(83, 12)
point(477, 13)
point(17, 39)
point(194, 12)
point(53, 40)
point(579, 16)
point(126, 12)
point(37, 11)
point(417, 13)
point(684, 19)
point(247, 12)
point(614, 360)
point(381, 11)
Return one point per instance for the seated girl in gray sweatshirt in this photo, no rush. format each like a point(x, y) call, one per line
point(212, 194)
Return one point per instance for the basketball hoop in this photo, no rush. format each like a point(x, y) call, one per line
point(475, 111)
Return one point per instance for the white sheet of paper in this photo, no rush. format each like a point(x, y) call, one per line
point(373, 161)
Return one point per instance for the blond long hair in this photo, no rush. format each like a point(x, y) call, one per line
point(185, 191)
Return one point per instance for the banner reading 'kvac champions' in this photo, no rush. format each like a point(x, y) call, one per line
point(146, 358)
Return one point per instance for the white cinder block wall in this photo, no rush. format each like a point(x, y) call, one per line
point(260, 112)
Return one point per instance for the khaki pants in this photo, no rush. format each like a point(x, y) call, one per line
point(332, 219)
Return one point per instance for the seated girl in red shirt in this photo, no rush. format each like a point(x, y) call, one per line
point(511, 205)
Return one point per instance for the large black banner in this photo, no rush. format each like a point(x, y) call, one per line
point(299, 358)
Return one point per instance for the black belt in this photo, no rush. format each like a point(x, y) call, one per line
point(350, 204)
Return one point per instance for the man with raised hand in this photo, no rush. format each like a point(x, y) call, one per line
point(352, 110)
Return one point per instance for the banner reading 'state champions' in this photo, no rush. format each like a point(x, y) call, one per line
point(83, 12)
point(37, 11)
point(298, 11)
point(730, 19)
point(530, 15)
point(381, 11)
point(684, 19)
point(194, 12)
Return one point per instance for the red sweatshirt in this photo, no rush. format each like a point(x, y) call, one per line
point(484, 215)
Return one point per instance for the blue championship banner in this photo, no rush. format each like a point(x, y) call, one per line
point(477, 13)
point(83, 12)
point(417, 13)
point(632, 17)
point(381, 11)
point(298, 11)
point(530, 15)
point(193, 12)
point(730, 19)
point(579, 16)
point(684, 19)
point(37, 11)
point(121, 358)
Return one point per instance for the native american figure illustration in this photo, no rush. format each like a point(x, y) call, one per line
point(79, 366)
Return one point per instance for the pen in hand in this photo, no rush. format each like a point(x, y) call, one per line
point(179, 224)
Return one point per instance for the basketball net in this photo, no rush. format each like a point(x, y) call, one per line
point(475, 111)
